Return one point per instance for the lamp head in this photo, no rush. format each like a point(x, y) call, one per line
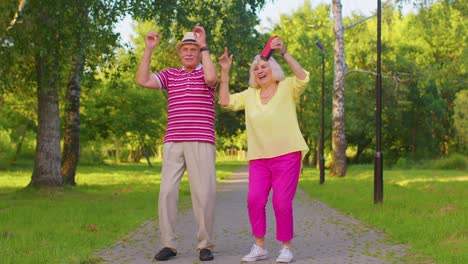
point(320, 46)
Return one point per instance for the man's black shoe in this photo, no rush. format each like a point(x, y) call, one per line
point(165, 254)
point(206, 255)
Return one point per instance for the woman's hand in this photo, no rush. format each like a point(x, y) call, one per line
point(297, 69)
point(225, 60)
point(278, 44)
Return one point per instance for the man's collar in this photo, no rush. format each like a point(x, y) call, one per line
point(197, 68)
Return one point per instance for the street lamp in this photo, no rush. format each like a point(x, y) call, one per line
point(378, 161)
point(322, 122)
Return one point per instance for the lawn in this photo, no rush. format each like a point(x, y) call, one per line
point(69, 225)
point(427, 209)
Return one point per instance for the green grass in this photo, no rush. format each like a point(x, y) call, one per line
point(426, 209)
point(68, 225)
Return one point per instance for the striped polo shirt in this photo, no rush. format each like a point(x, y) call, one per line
point(190, 107)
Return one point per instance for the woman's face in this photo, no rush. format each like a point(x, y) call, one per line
point(262, 73)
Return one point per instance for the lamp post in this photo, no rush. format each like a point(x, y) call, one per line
point(378, 161)
point(322, 122)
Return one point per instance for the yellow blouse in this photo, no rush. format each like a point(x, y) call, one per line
point(272, 128)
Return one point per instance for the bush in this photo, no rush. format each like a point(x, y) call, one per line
point(6, 149)
point(404, 163)
point(3, 161)
point(5, 143)
point(91, 154)
point(454, 161)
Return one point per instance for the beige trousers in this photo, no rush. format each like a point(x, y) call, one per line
point(199, 159)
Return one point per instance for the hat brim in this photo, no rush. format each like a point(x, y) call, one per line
point(185, 42)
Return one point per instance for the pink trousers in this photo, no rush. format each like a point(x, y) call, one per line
point(280, 174)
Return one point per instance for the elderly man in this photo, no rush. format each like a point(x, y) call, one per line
point(189, 142)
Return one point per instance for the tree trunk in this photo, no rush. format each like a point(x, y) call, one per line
point(360, 150)
point(22, 135)
point(71, 138)
point(146, 153)
point(47, 61)
point(135, 155)
point(47, 160)
point(338, 166)
point(21, 5)
point(117, 150)
point(306, 161)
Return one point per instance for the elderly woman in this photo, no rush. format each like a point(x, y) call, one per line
point(275, 143)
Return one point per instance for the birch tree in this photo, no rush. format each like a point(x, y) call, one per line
point(338, 166)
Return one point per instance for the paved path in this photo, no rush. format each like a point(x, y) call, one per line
point(323, 235)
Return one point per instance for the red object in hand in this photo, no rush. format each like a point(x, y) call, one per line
point(267, 51)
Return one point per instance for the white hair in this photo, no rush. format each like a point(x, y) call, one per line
point(276, 71)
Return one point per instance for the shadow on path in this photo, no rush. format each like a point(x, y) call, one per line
point(323, 235)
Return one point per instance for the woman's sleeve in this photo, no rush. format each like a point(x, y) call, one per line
point(237, 101)
point(298, 86)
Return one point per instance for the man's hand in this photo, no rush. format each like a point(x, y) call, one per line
point(200, 36)
point(152, 39)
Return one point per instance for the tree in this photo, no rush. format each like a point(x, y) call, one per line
point(424, 55)
point(10, 13)
point(338, 166)
point(46, 40)
point(119, 111)
point(227, 23)
point(461, 119)
point(442, 28)
point(71, 138)
point(41, 48)
point(93, 38)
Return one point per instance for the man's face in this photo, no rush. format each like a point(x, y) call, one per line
point(190, 55)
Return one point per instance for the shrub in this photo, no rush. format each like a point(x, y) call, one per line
point(91, 154)
point(454, 161)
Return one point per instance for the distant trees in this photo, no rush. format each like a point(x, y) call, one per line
point(48, 45)
point(422, 63)
point(49, 39)
point(460, 120)
point(63, 73)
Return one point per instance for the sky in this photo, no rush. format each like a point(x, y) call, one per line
point(272, 11)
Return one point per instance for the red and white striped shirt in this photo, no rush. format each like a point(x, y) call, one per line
point(190, 107)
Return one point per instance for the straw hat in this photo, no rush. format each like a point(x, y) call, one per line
point(189, 38)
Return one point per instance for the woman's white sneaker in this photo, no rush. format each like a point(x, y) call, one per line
point(256, 253)
point(285, 256)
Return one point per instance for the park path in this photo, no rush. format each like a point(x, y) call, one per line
point(323, 235)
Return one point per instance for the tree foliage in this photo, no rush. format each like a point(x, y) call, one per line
point(228, 24)
point(423, 68)
point(39, 50)
point(460, 119)
point(423, 84)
